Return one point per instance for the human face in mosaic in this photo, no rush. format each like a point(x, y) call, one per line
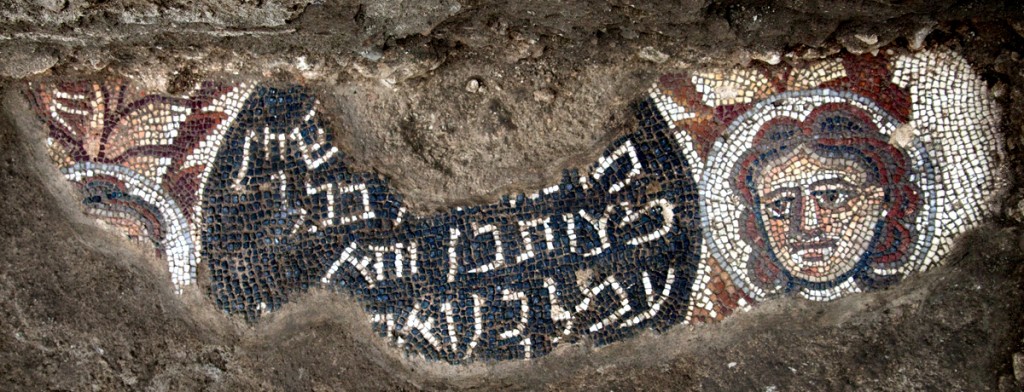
point(244, 179)
point(819, 213)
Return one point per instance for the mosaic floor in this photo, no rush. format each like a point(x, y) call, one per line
point(737, 185)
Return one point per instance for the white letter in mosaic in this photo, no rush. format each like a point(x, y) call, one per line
point(499, 256)
point(625, 150)
point(667, 218)
point(316, 151)
point(524, 318)
point(400, 253)
point(591, 295)
point(558, 313)
point(654, 300)
point(453, 258)
point(524, 231)
point(360, 193)
point(600, 225)
point(425, 327)
point(348, 256)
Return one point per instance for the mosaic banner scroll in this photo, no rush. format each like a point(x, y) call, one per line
point(272, 208)
point(736, 186)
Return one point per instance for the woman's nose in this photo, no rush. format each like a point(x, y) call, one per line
point(807, 220)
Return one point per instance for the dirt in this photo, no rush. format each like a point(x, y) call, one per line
point(458, 102)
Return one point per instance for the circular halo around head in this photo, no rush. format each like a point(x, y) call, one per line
point(723, 209)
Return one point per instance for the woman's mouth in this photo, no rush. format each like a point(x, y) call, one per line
point(811, 257)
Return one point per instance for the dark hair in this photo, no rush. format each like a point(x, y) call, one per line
point(832, 130)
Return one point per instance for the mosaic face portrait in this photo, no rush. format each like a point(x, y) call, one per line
point(828, 199)
point(830, 177)
point(734, 186)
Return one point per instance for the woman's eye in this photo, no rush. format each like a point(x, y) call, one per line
point(779, 208)
point(831, 198)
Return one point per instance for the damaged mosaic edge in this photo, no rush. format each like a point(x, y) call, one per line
point(738, 185)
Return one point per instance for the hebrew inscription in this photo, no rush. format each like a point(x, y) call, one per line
point(818, 180)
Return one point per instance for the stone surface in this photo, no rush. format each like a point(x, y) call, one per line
point(24, 62)
point(1018, 367)
point(85, 313)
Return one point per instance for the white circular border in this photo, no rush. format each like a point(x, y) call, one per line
point(177, 242)
point(953, 149)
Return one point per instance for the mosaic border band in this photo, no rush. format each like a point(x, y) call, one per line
point(736, 186)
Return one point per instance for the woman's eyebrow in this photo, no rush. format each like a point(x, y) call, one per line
point(828, 175)
point(832, 181)
point(780, 191)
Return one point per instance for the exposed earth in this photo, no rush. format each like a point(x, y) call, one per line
point(457, 102)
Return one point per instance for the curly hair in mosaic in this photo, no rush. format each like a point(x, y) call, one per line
point(838, 134)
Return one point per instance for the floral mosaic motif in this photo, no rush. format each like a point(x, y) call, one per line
point(137, 158)
point(275, 210)
point(736, 186)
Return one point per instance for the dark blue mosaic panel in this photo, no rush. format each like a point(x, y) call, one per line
point(819, 180)
point(607, 251)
